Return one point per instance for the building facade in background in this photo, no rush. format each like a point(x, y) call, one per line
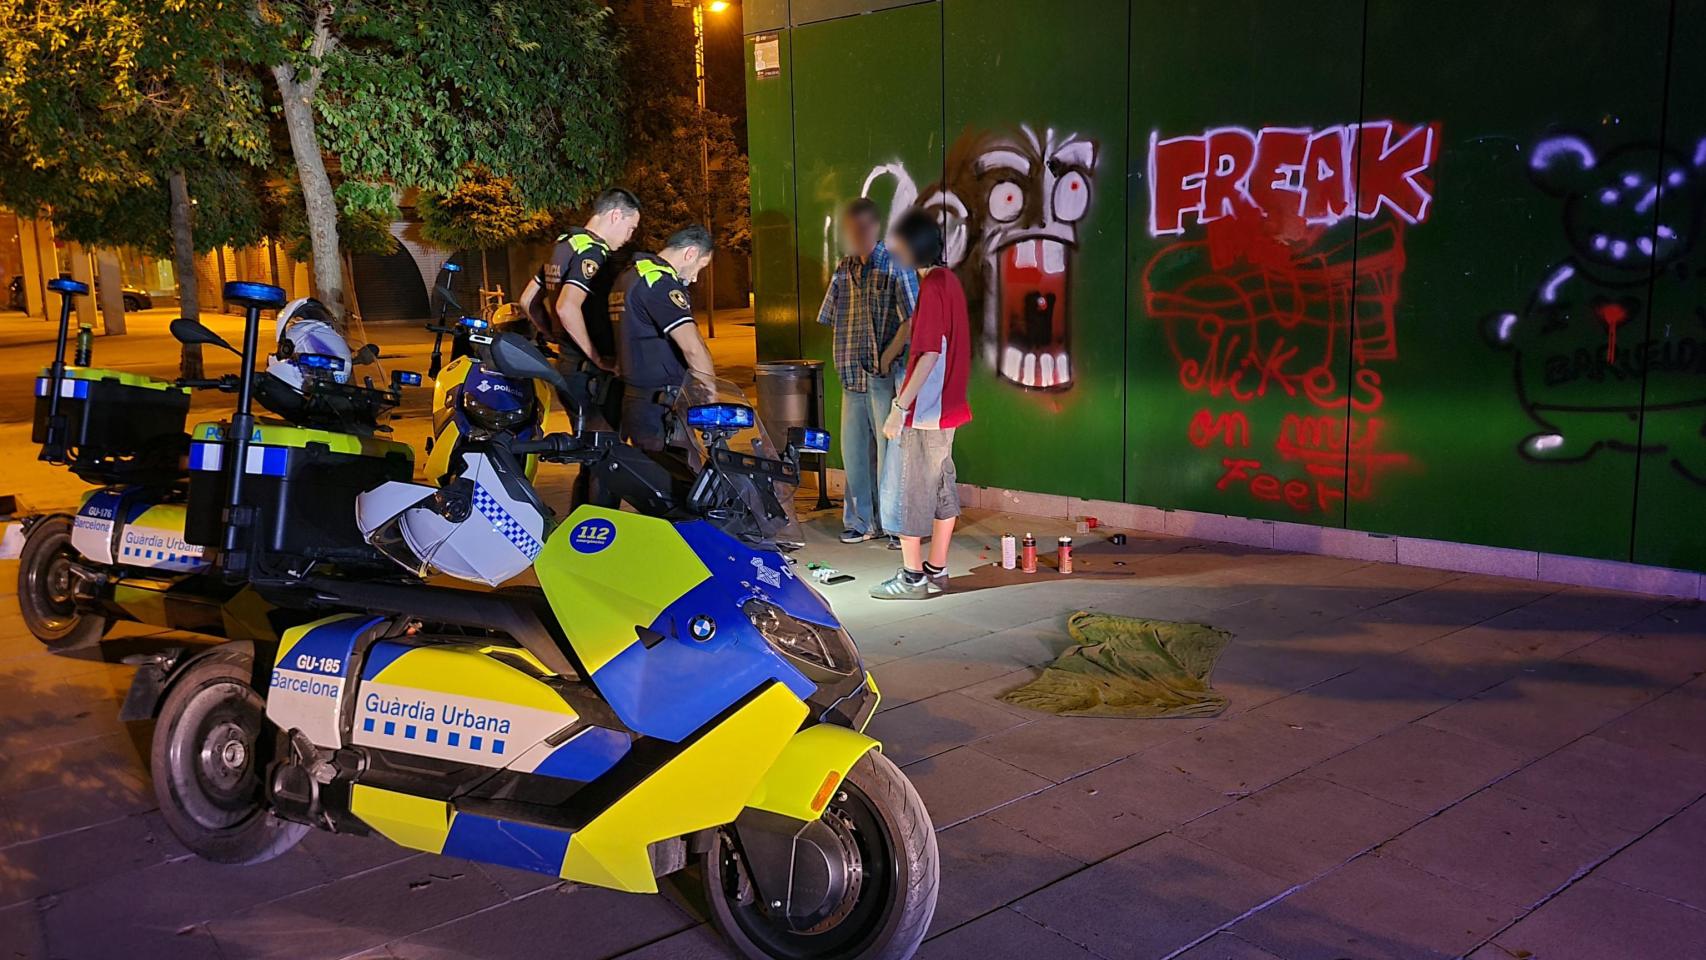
point(1426, 270)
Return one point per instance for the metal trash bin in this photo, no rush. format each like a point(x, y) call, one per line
point(790, 394)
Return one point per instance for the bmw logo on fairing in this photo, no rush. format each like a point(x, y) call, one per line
point(591, 536)
point(702, 628)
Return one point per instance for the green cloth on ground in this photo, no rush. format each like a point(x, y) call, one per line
point(1129, 667)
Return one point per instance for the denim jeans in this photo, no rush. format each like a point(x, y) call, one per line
point(862, 443)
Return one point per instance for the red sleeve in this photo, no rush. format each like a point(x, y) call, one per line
point(930, 321)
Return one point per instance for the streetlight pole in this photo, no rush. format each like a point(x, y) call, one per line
point(704, 156)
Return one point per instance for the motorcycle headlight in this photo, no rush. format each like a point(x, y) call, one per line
point(813, 643)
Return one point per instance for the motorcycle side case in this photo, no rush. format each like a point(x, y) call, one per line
point(301, 481)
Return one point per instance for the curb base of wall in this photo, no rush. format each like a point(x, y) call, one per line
point(1340, 542)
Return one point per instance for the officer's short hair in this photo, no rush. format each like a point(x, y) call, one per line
point(616, 199)
point(922, 235)
point(863, 208)
point(694, 235)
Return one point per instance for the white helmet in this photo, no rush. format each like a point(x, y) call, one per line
point(472, 529)
point(307, 327)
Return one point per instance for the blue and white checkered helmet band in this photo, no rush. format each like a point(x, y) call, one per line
point(503, 522)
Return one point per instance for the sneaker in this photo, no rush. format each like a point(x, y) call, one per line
point(894, 542)
point(851, 535)
point(936, 582)
point(897, 588)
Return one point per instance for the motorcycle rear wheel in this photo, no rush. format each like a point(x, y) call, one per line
point(45, 595)
point(212, 746)
point(880, 816)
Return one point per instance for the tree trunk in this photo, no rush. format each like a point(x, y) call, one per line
point(317, 194)
point(183, 263)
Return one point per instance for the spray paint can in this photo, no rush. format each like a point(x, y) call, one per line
point(1009, 551)
point(85, 346)
point(1065, 547)
point(1030, 554)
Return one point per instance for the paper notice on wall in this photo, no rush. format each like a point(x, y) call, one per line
point(766, 56)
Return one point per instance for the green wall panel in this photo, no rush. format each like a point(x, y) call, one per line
point(1432, 270)
point(1036, 114)
point(811, 11)
point(1240, 346)
point(759, 15)
point(1500, 415)
point(770, 156)
point(1670, 512)
point(868, 117)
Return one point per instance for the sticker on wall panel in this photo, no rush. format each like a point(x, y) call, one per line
point(766, 56)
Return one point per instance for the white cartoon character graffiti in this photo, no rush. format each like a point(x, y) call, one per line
point(1010, 205)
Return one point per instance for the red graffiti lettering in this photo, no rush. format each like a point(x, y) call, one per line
point(1281, 300)
point(1284, 173)
point(1232, 429)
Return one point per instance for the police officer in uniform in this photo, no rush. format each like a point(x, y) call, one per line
point(566, 298)
point(660, 341)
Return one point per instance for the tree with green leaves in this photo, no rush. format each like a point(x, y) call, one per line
point(483, 212)
point(666, 128)
point(413, 94)
point(125, 121)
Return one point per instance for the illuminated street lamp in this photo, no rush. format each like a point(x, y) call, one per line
point(699, 8)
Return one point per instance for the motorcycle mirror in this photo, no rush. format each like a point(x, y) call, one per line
point(366, 354)
point(515, 356)
point(186, 330)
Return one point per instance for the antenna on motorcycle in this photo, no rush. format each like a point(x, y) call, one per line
point(253, 297)
point(514, 355)
point(187, 330)
point(53, 448)
point(445, 302)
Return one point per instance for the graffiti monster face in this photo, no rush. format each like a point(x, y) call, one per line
point(1012, 207)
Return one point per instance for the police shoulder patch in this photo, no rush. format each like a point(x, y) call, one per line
point(679, 298)
point(588, 268)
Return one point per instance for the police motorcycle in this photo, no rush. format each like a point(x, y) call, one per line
point(470, 399)
point(146, 543)
point(670, 696)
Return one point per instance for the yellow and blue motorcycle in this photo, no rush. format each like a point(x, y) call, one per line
point(670, 698)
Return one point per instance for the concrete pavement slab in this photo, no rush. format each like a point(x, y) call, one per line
point(1506, 846)
point(1669, 861)
point(1375, 908)
point(1598, 781)
point(1246, 753)
point(964, 783)
point(1299, 828)
point(1598, 918)
point(358, 913)
point(1005, 935)
point(568, 923)
point(1111, 809)
point(1151, 900)
point(937, 724)
point(1419, 767)
point(987, 865)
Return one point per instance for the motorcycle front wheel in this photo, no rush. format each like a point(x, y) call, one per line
point(890, 849)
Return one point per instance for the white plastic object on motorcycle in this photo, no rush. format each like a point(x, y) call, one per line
point(303, 323)
point(497, 540)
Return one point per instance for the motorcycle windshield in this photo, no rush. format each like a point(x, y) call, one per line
point(768, 518)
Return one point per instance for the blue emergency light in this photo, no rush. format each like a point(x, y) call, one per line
point(406, 378)
point(453, 267)
point(814, 441)
point(713, 416)
point(318, 361)
point(474, 323)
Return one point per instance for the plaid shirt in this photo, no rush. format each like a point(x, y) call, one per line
point(866, 302)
